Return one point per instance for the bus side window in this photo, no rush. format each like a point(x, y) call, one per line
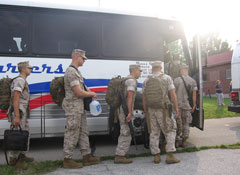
point(13, 28)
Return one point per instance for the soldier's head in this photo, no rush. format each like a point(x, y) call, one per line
point(157, 66)
point(184, 69)
point(24, 68)
point(135, 70)
point(176, 58)
point(78, 57)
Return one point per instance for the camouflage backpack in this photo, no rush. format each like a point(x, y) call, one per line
point(115, 87)
point(57, 90)
point(113, 92)
point(155, 92)
point(5, 93)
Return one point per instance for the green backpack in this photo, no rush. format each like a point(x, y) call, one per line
point(57, 90)
point(115, 86)
point(5, 93)
point(155, 92)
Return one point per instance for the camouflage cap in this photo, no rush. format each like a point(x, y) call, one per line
point(156, 64)
point(135, 66)
point(80, 52)
point(24, 64)
point(183, 66)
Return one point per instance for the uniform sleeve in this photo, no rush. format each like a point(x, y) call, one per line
point(170, 84)
point(194, 85)
point(19, 84)
point(131, 85)
point(176, 83)
point(73, 78)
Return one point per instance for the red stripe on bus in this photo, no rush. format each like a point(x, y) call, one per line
point(44, 100)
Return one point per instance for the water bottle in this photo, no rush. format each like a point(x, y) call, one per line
point(95, 108)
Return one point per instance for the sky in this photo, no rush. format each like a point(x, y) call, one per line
point(197, 16)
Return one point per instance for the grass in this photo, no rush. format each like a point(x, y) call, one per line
point(212, 110)
point(38, 168)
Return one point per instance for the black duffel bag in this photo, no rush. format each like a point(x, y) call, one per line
point(15, 140)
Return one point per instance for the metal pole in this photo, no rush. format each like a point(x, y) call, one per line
point(200, 79)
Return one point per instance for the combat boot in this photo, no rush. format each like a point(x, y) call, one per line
point(17, 163)
point(90, 160)
point(22, 157)
point(171, 158)
point(157, 158)
point(122, 159)
point(70, 163)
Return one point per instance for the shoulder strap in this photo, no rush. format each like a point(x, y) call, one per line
point(73, 67)
point(188, 93)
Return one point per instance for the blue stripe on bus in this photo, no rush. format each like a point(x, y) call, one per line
point(44, 87)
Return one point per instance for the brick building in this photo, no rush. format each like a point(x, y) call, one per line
point(216, 67)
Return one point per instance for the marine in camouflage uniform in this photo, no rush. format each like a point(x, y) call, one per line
point(160, 121)
point(183, 100)
point(124, 139)
point(76, 130)
point(172, 68)
point(18, 113)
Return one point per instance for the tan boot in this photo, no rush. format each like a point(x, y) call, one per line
point(157, 158)
point(90, 160)
point(17, 164)
point(70, 163)
point(122, 159)
point(24, 158)
point(171, 158)
point(21, 164)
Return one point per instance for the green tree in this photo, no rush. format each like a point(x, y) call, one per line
point(212, 44)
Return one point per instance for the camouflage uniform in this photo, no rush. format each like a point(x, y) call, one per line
point(172, 69)
point(76, 124)
point(124, 140)
point(20, 84)
point(157, 121)
point(183, 102)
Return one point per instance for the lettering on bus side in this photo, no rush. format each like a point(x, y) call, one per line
point(9, 67)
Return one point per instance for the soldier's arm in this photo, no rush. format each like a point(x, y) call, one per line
point(129, 105)
point(194, 98)
point(174, 100)
point(16, 99)
point(81, 93)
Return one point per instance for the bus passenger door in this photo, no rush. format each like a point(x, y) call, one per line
point(196, 73)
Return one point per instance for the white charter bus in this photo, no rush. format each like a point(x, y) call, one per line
point(45, 35)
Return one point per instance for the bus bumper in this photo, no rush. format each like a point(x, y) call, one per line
point(234, 108)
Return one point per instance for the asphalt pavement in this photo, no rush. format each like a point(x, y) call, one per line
point(207, 162)
point(216, 132)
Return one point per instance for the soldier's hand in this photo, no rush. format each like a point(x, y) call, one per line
point(177, 114)
point(193, 108)
point(94, 96)
point(16, 121)
point(129, 117)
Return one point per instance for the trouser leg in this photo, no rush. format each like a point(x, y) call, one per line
point(124, 139)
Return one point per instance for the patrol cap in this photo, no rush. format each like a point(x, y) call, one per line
point(183, 66)
point(135, 66)
point(156, 64)
point(80, 52)
point(24, 64)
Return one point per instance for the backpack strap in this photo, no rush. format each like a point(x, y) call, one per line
point(188, 93)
